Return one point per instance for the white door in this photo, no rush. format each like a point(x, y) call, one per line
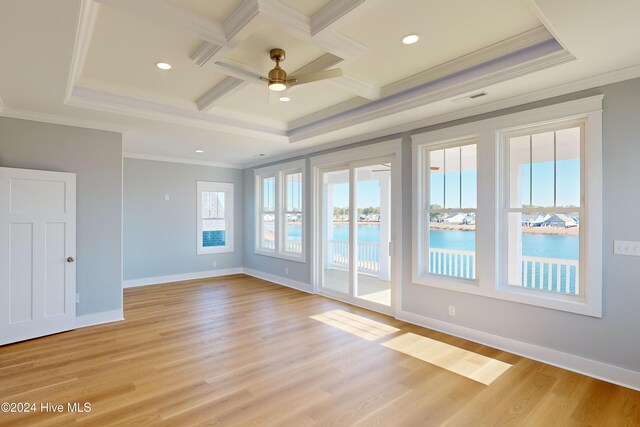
point(37, 253)
point(355, 232)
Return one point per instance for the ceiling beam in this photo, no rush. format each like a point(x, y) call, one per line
point(219, 91)
point(298, 25)
point(333, 14)
point(237, 27)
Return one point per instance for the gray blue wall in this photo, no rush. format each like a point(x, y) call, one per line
point(612, 339)
point(96, 158)
point(160, 235)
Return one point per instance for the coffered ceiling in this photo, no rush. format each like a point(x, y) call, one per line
point(93, 63)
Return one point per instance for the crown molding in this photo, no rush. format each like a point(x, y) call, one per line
point(219, 91)
point(59, 119)
point(176, 16)
point(534, 58)
point(542, 17)
point(169, 159)
point(332, 14)
point(97, 100)
point(505, 47)
point(604, 79)
point(86, 24)
point(509, 46)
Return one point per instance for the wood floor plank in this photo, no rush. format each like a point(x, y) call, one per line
point(239, 351)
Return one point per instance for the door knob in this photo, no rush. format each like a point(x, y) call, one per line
point(71, 259)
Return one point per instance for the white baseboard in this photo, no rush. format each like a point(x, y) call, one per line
point(99, 318)
point(304, 287)
point(180, 277)
point(570, 362)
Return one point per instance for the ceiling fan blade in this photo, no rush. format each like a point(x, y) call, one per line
point(314, 77)
point(240, 71)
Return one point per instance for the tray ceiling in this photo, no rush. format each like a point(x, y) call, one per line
point(93, 62)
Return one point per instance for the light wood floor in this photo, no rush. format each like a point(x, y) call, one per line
point(241, 351)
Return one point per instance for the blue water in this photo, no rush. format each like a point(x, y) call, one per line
point(533, 245)
point(537, 245)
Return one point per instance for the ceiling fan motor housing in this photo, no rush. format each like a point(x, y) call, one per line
point(278, 75)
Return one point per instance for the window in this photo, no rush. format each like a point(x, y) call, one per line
point(215, 217)
point(531, 182)
point(280, 230)
point(267, 216)
point(292, 234)
point(450, 213)
point(542, 208)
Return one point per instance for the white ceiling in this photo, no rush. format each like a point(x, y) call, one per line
point(92, 64)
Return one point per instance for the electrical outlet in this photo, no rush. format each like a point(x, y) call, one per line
point(286, 271)
point(215, 264)
point(624, 247)
point(452, 310)
point(167, 197)
point(77, 297)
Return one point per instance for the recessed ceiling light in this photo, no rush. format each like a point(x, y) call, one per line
point(199, 151)
point(163, 66)
point(410, 39)
point(284, 99)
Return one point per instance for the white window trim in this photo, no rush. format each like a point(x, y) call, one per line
point(488, 233)
point(228, 189)
point(279, 171)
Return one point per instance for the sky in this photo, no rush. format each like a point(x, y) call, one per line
point(368, 194)
point(568, 188)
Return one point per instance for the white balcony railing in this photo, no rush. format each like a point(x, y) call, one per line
point(549, 274)
point(293, 246)
point(368, 256)
point(452, 263)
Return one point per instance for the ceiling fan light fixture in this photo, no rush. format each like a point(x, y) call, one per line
point(410, 39)
point(277, 86)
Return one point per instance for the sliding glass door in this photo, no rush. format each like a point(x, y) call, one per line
point(356, 229)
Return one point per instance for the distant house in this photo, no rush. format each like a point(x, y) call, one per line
point(534, 220)
point(560, 220)
point(470, 219)
point(455, 218)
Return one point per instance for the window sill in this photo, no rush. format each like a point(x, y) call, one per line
point(273, 254)
point(215, 250)
point(568, 303)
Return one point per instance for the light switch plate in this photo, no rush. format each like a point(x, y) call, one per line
point(626, 247)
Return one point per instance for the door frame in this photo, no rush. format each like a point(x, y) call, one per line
point(360, 155)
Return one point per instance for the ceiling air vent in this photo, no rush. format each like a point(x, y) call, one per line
point(468, 98)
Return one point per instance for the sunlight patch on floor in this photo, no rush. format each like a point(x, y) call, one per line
point(359, 326)
point(472, 365)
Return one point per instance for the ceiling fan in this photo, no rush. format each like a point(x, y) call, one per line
point(277, 79)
